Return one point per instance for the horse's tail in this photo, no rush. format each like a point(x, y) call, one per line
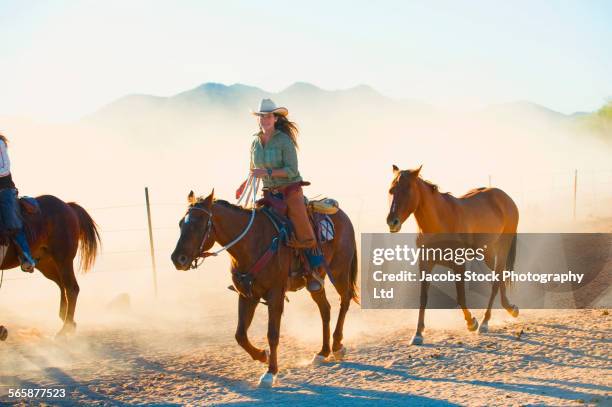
point(354, 289)
point(89, 238)
point(511, 258)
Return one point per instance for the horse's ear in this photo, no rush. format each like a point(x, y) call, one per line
point(395, 169)
point(191, 198)
point(417, 171)
point(209, 199)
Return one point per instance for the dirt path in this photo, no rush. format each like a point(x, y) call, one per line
point(562, 359)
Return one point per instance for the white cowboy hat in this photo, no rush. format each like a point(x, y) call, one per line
point(268, 106)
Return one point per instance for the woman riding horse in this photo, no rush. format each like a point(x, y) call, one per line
point(11, 221)
point(274, 161)
point(57, 231)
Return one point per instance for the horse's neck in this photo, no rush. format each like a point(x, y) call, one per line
point(228, 224)
point(432, 210)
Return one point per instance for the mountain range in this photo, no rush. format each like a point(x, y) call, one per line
point(215, 104)
point(301, 95)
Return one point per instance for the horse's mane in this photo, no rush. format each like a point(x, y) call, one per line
point(473, 192)
point(229, 205)
point(435, 188)
point(430, 184)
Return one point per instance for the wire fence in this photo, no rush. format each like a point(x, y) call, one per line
point(583, 193)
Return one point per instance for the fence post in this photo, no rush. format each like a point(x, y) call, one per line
point(575, 190)
point(151, 241)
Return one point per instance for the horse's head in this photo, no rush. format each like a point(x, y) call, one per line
point(403, 197)
point(197, 235)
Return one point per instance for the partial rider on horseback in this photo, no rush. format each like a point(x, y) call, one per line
point(11, 222)
point(274, 161)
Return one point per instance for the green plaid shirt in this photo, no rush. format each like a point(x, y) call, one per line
point(279, 152)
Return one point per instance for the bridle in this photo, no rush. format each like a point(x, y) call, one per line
point(199, 258)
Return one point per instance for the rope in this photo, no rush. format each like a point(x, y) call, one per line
point(251, 188)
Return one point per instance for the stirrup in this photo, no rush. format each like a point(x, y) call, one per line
point(28, 264)
point(27, 267)
point(314, 282)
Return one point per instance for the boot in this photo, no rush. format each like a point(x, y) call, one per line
point(296, 210)
point(27, 262)
point(314, 282)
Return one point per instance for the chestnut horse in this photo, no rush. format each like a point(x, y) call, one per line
point(54, 234)
point(487, 213)
point(208, 221)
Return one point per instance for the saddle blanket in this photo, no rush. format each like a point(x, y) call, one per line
point(326, 229)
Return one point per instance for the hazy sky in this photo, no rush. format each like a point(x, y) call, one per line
point(62, 59)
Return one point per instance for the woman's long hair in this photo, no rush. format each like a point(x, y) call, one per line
point(288, 127)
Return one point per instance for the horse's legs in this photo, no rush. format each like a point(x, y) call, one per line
point(342, 284)
point(493, 264)
point(246, 310)
point(63, 304)
point(50, 270)
point(71, 292)
point(417, 339)
point(510, 247)
point(484, 324)
point(337, 347)
point(324, 309)
point(511, 308)
point(472, 323)
point(275, 311)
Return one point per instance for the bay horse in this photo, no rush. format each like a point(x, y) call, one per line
point(209, 220)
point(55, 233)
point(488, 213)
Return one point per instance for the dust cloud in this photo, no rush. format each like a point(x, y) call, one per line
point(346, 153)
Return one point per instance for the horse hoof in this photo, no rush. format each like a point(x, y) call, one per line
point(67, 329)
point(267, 380)
point(266, 356)
point(483, 328)
point(473, 325)
point(514, 311)
point(3, 333)
point(318, 360)
point(417, 340)
point(340, 354)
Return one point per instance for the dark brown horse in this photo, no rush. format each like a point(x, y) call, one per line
point(55, 233)
point(208, 221)
point(488, 213)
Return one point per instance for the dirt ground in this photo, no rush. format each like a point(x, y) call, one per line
point(180, 350)
point(543, 357)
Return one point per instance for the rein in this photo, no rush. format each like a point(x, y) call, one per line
point(245, 279)
point(251, 189)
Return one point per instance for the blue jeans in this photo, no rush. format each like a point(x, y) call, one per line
point(10, 215)
point(10, 218)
